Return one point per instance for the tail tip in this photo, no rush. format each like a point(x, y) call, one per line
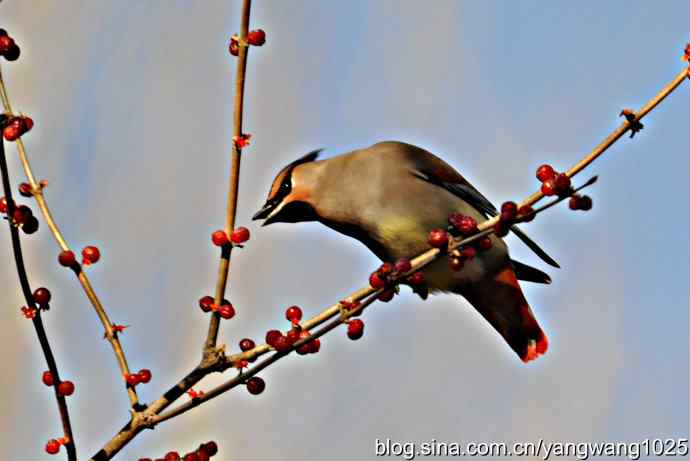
point(535, 348)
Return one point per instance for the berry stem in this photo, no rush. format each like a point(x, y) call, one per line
point(62, 243)
point(29, 298)
point(233, 189)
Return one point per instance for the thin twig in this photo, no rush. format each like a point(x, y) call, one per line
point(37, 320)
point(231, 211)
point(62, 243)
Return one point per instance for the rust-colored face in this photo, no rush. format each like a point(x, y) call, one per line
point(285, 203)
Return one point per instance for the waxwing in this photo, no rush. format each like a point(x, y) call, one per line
point(389, 196)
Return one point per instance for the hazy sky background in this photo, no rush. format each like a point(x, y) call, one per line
point(133, 103)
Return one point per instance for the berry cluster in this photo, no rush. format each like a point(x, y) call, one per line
point(237, 237)
point(465, 226)
point(143, 377)
point(17, 126)
point(22, 216)
point(64, 388)
point(225, 309)
point(283, 342)
point(552, 182)
point(254, 37)
point(385, 276)
point(203, 453)
point(8, 48)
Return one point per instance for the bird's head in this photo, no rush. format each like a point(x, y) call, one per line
point(289, 199)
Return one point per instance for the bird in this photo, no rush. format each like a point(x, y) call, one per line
point(389, 196)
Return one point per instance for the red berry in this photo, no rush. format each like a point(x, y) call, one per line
point(508, 211)
point(144, 375)
point(25, 190)
point(282, 343)
point(545, 172)
point(527, 213)
point(355, 329)
point(66, 258)
point(12, 132)
point(468, 253)
point(485, 244)
point(13, 53)
point(256, 37)
point(376, 281)
point(548, 187)
point(202, 455)
point(247, 344)
point(30, 225)
point(219, 238)
point(132, 379)
point(66, 388)
point(234, 47)
point(255, 385)
point(6, 42)
point(171, 456)
point(467, 225)
point(47, 378)
point(315, 345)
point(385, 270)
point(456, 263)
point(293, 335)
point(586, 203)
point(28, 123)
point(239, 235)
point(574, 202)
point(52, 447)
point(293, 314)
point(416, 279)
point(191, 457)
point(211, 448)
point(386, 295)
point(403, 265)
point(3, 32)
point(306, 347)
point(226, 311)
point(91, 255)
point(272, 336)
point(42, 296)
point(206, 303)
point(500, 229)
point(22, 214)
point(3, 205)
point(562, 182)
point(438, 238)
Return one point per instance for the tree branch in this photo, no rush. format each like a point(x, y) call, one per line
point(62, 243)
point(37, 320)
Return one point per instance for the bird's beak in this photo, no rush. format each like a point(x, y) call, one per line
point(263, 213)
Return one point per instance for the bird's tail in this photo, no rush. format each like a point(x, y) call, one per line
point(500, 301)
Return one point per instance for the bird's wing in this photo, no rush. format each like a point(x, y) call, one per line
point(469, 194)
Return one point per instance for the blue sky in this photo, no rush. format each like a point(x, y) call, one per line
point(133, 106)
